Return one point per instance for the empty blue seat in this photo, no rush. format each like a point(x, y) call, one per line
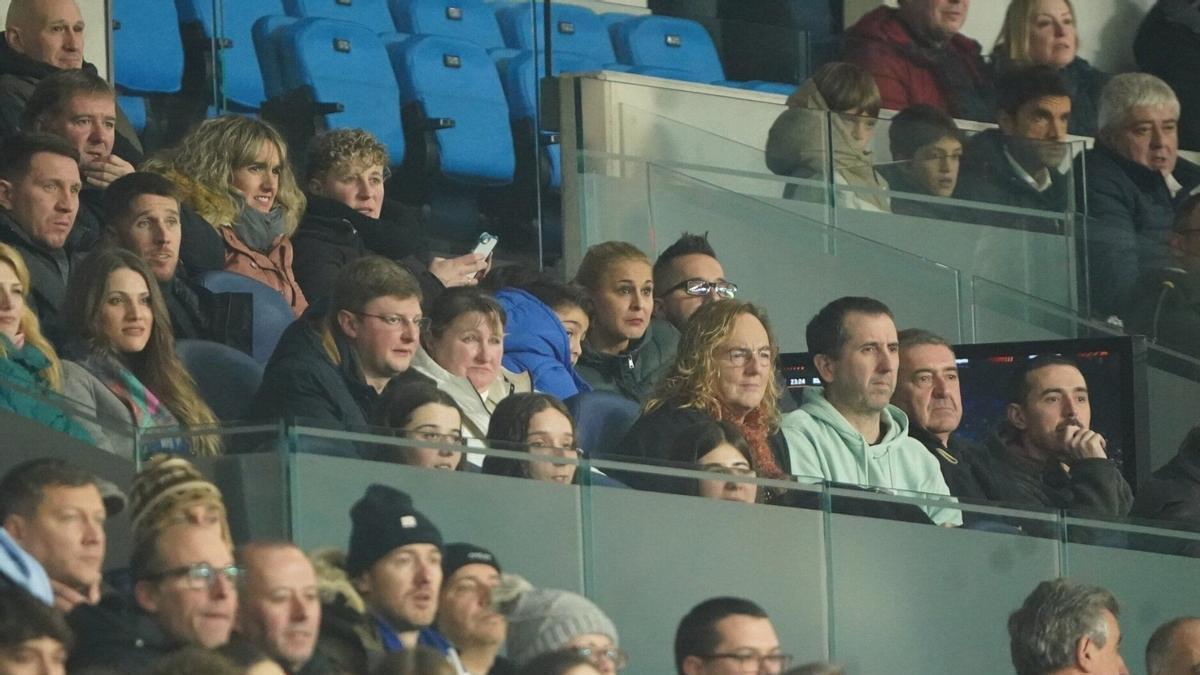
point(651, 44)
point(226, 378)
point(470, 20)
point(272, 314)
point(575, 29)
point(451, 94)
point(345, 69)
point(142, 27)
point(241, 79)
point(266, 45)
point(371, 13)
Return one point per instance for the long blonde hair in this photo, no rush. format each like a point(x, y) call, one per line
point(692, 380)
point(157, 366)
point(1013, 41)
point(203, 163)
point(30, 326)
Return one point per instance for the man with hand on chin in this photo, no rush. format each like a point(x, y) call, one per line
point(1045, 453)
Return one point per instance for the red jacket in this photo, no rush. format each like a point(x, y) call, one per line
point(882, 43)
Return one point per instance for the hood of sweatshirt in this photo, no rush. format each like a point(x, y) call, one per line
point(894, 421)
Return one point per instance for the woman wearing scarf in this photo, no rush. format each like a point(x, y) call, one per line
point(797, 144)
point(125, 368)
point(233, 172)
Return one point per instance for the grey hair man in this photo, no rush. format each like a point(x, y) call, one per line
point(1135, 180)
point(1174, 648)
point(1064, 628)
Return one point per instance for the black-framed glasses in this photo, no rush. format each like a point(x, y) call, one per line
point(618, 658)
point(201, 576)
point(753, 662)
point(397, 320)
point(702, 288)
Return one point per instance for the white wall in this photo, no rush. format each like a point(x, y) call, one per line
point(96, 38)
point(1106, 27)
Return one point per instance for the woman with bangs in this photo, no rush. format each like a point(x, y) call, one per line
point(27, 359)
point(125, 366)
point(797, 145)
point(724, 371)
point(233, 172)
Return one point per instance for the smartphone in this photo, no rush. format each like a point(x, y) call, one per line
point(487, 242)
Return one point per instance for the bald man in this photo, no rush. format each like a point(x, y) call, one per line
point(42, 37)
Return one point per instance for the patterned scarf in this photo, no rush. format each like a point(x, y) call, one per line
point(754, 428)
point(145, 408)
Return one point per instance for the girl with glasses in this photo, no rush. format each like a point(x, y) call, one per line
point(419, 411)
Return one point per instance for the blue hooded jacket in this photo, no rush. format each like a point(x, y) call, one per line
point(535, 341)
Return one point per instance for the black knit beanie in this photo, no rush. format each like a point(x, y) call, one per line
point(381, 521)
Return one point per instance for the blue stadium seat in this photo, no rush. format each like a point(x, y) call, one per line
point(226, 378)
point(241, 79)
point(272, 314)
point(371, 13)
point(266, 45)
point(134, 108)
point(661, 45)
point(451, 97)
point(343, 68)
point(611, 19)
point(576, 29)
point(142, 27)
point(470, 20)
point(602, 419)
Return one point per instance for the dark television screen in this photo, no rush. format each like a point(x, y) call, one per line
point(985, 371)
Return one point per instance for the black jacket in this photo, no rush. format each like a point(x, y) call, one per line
point(988, 176)
point(1173, 496)
point(201, 247)
point(1170, 49)
point(900, 184)
point(635, 372)
point(199, 314)
point(1166, 309)
point(958, 461)
point(115, 636)
point(1129, 212)
point(48, 274)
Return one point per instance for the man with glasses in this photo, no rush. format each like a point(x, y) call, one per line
point(1166, 306)
point(332, 365)
point(185, 594)
point(847, 431)
point(728, 636)
point(687, 275)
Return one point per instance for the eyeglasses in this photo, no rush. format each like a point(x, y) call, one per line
point(618, 658)
point(743, 471)
point(201, 576)
point(752, 662)
point(452, 438)
point(395, 321)
point(739, 357)
point(702, 288)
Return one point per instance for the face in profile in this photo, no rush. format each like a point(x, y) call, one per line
point(125, 314)
point(726, 459)
point(434, 423)
point(550, 434)
point(359, 186)
point(471, 346)
point(934, 167)
point(12, 301)
point(258, 181)
point(623, 302)
point(575, 321)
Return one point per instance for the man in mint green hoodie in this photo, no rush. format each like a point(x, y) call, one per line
point(847, 431)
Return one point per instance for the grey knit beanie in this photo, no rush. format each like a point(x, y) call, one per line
point(544, 620)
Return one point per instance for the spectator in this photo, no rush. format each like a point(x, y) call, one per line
point(462, 351)
point(798, 144)
point(1174, 647)
point(687, 275)
point(728, 635)
point(141, 213)
point(1025, 163)
point(39, 194)
point(1166, 304)
point(1063, 627)
point(928, 392)
point(169, 491)
point(54, 510)
point(1045, 452)
point(718, 448)
point(1173, 494)
point(847, 431)
point(279, 610)
point(544, 332)
point(1166, 46)
point(347, 216)
point(918, 56)
point(927, 149)
point(536, 423)
point(465, 614)
point(27, 360)
point(185, 593)
point(420, 411)
point(394, 570)
point(233, 172)
point(561, 662)
point(43, 37)
point(33, 637)
point(1135, 180)
point(725, 370)
point(126, 367)
point(546, 620)
point(331, 366)
point(1043, 33)
point(624, 352)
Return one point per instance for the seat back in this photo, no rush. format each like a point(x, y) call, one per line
point(141, 27)
point(521, 74)
point(575, 29)
point(455, 81)
point(371, 13)
point(226, 378)
point(663, 42)
point(470, 20)
point(272, 314)
point(241, 78)
point(345, 63)
point(266, 46)
point(602, 418)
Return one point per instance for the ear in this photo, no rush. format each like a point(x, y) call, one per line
point(6, 193)
point(1016, 416)
point(361, 584)
point(146, 595)
point(1006, 122)
point(692, 665)
point(658, 307)
point(315, 187)
point(826, 367)
point(15, 525)
point(12, 35)
point(1083, 654)
point(348, 323)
